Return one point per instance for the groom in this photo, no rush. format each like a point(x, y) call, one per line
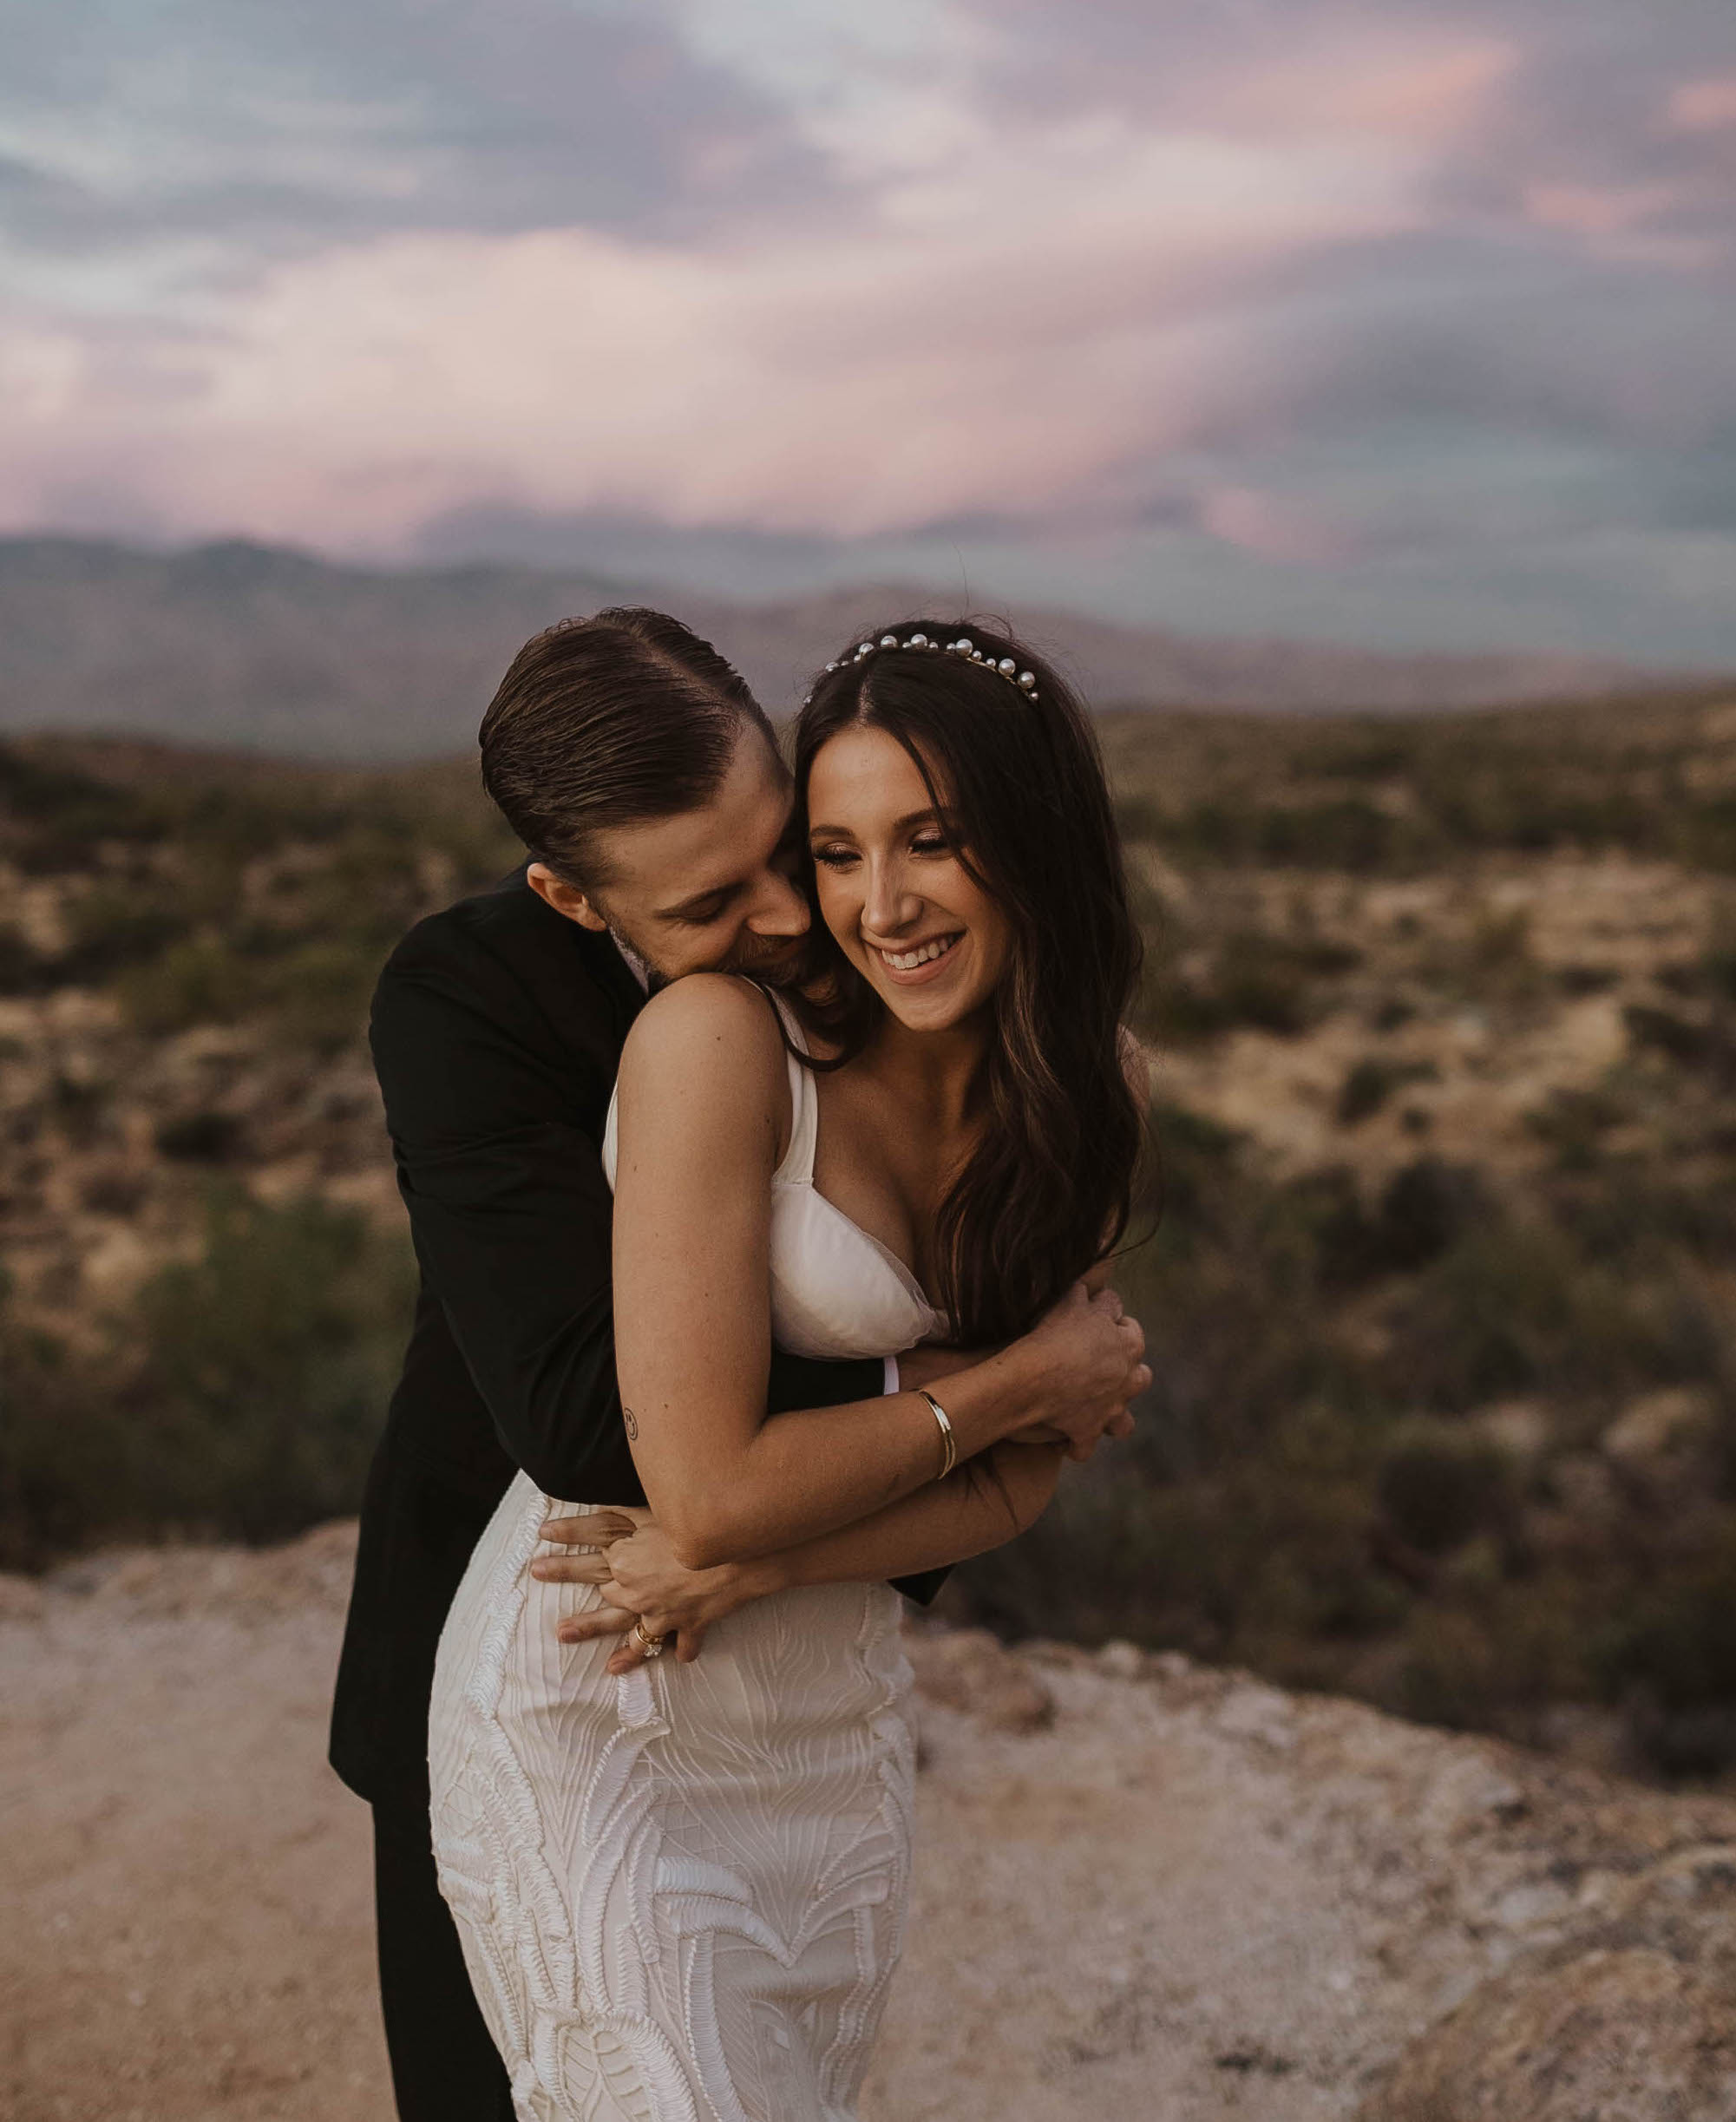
point(645, 782)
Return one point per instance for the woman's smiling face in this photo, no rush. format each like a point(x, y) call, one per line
point(903, 909)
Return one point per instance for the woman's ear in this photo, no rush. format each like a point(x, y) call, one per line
point(565, 899)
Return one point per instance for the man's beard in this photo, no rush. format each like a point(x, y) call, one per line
point(638, 964)
point(758, 957)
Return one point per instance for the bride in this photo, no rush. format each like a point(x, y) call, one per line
point(681, 1883)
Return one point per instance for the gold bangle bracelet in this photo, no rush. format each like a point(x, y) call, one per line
point(949, 1443)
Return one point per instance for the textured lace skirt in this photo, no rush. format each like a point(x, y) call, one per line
point(681, 1894)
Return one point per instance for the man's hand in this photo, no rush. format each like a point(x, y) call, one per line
point(630, 1564)
point(1086, 1323)
point(1092, 1356)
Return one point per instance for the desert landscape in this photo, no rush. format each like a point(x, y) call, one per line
point(1359, 1740)
point(1143, 1886)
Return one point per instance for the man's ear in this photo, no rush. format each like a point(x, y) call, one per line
point(564, 898)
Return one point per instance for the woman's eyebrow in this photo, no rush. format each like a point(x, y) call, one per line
point(899, 825)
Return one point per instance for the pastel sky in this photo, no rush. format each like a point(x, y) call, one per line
point(1406, 322)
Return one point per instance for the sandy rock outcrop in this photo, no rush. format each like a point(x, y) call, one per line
point(1143, 1886)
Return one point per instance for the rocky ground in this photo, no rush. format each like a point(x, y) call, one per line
point(1145, 1887)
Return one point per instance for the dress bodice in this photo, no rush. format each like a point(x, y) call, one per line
point(836, 1291)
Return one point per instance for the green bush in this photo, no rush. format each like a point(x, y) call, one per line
point(1370, 1083)
point(1438, 1484)
point(241, 1398)
point(196, 982)
point(267, 1364)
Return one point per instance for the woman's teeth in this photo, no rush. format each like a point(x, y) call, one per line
point(907, 961)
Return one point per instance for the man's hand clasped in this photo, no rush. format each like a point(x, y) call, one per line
point(1092, 1363)
point(647, 1597)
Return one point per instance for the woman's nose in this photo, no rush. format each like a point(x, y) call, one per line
point(890, 905)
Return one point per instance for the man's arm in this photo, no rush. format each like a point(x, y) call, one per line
point(510, 1212)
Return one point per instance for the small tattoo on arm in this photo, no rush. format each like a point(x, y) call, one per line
point(633, 1423)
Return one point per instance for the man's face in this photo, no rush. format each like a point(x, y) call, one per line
point(711, 889)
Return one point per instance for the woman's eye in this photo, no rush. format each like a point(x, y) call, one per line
point(931, 843)
point(835, 858)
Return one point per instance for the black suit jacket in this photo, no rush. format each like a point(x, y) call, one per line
point(496, 1030)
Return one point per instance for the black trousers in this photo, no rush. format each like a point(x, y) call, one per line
point(445, 2066)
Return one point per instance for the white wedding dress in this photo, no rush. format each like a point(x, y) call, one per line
point(682, 1894)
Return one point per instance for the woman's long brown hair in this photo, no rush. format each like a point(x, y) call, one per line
point(1045, 1193)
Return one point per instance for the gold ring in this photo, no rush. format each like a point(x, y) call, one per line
point(650, 1645)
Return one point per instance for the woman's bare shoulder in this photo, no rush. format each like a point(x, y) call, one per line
point(694, 1022)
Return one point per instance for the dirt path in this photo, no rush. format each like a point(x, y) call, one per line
point(1186, 1897)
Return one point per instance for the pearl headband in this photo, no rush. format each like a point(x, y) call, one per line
point(1006, 668)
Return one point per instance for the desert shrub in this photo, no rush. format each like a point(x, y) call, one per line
point(80, 1106)
point(1681, 1039)
point(62, 1439)
point(1668, 1650)
point(22, 968)
point(1425, 1209)
point(1370, 1083)
point(196, 982)
point(240, 1398)
point(52, 816)
point(206, 1137)
point(1439, 1484)
point(1256, 979)
point(265, 1366)
point(1583, 979)
point(1341, 833)
point(113, 926)
point(1453, 1670)
point(318, 993)
point(1573, 1122)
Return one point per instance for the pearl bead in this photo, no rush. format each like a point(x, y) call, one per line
point(1028, 679)
point(919, 640)
point(965, 645)
point(1006, 666)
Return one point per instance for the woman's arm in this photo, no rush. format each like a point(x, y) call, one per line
point(701, 1092)
point(979, 1506)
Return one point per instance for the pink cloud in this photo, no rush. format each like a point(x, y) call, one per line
point(1704, 105)
point(1274, 527)
point(1421, 89)
point(1596, 210)
point(1006, 330)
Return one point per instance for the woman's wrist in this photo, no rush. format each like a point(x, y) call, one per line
point(764, 1575)
point(996, 1396)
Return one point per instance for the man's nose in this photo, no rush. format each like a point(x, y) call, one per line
point(782, 910)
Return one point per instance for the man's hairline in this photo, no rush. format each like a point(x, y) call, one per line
point(606, 875)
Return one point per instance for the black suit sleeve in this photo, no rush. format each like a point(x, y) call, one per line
point(510, 1212)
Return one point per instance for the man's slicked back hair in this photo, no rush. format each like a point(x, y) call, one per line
point(609, 721)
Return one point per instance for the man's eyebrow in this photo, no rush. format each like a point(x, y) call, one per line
point(722, 894)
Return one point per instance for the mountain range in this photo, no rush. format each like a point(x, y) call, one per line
point(249, 646)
